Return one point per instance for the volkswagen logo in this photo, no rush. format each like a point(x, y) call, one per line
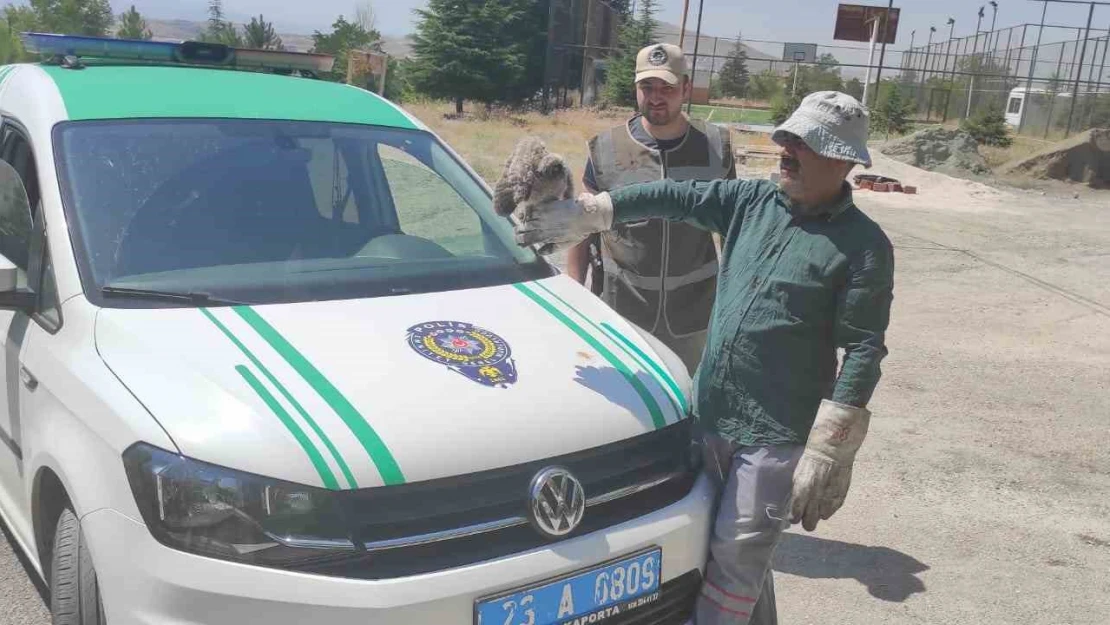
point(557, 502)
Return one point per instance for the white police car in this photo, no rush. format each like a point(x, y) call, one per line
point(270, 357)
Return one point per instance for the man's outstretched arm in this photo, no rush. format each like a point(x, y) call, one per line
point(707, 205)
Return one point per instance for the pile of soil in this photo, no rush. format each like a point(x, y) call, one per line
point(951, 152)
point(1083, 158)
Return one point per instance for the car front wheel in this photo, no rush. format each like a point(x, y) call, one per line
point(74, 593)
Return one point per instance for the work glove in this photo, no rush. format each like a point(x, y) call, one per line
point(564, 223)
point(532, 177)
point(824, 472)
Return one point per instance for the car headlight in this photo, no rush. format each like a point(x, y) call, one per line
point(222, 513)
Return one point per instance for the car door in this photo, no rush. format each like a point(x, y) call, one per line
point(22, 243)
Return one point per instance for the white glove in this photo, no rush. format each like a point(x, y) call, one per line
point(563, 223)
point(824, 472)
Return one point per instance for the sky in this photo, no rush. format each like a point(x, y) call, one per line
point(809, 21)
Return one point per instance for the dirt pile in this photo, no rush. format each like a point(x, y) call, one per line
point(1083, 158)
point(938, 149)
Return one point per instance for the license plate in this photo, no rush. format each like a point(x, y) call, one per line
point(587, 597)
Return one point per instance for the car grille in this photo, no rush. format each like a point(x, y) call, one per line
point(674, 607)
point(440, 524)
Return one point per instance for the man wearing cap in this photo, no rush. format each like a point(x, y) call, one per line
point(803, 273)
point(657, 274)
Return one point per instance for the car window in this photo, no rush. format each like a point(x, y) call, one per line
point(15, 211)
point(273, 211)
point(427, 206)
point(331, 181)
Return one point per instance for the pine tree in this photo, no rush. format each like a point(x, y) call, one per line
point(220, 30)
point(260, 35)
point(637, 33)
point(734, 76)
point(73, 17)
point(892, 115)
point(484, 50)
point(344, 37)
point(133, 26)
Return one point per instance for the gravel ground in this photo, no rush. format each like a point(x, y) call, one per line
point(982, 494)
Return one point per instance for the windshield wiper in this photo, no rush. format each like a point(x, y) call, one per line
point(198, 298)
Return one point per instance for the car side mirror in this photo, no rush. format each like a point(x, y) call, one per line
point(11, 296)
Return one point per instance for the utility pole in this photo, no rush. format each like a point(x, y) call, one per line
point(1032, 72)
point(948, 51)
point(682, 29)
point(882, 52)
point(870, 60)
point(694, 69)
point(585, 52)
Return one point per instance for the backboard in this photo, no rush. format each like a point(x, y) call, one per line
point(799, 52)
point(853, 23)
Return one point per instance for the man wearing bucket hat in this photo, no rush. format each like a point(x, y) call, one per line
point(803, 273)
point(657, 274)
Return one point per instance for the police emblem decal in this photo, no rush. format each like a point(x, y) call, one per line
point(658, 56)
point(466, 349)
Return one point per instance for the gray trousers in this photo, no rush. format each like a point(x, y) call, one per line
point(753, 512)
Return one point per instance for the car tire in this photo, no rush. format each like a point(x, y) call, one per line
point(74, 592)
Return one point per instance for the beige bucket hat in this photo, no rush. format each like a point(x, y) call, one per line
point(833, 124)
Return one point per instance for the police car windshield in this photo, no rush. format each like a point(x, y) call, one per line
point(274, 211)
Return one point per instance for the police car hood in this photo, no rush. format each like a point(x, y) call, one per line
point(360, 393)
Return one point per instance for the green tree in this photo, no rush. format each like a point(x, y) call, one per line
point(783, 106)
point(260, 35)
point(636, 33)
point(220, 30)
point(824, 76)
point(765, 85)
point(892, 113)
point(483, 50)
point(734, 77)
point(854, 88)
point(69, 17)
point(344, 37)
point(989, 127)
point(133, 26)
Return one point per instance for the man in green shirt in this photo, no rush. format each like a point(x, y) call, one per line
point(803, 273)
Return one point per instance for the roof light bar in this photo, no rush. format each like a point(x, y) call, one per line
point(189, 52)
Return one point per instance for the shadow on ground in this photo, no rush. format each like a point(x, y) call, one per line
point(32, 576)
point(888, 574)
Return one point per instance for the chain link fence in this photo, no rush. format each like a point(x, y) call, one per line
point(1049, 81)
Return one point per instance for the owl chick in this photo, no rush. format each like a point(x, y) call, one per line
point(531, 176)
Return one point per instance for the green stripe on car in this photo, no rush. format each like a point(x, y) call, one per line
point(371, 442)
point(660, 372)
point(313, 454)
point(287, 395)
point(641, 390)
point(662, 378)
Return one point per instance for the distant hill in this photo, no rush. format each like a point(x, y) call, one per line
point(182, 30)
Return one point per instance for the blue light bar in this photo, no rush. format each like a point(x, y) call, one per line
point(99, 47)
point(189, 52)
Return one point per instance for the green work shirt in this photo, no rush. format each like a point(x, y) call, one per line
point(791, 290)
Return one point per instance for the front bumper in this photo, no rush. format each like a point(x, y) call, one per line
point(144, 582)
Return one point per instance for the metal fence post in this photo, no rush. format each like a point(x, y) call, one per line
point(1032, 71)
point(1079, 70)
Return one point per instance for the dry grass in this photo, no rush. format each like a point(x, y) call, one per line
point(1023, 147)
point(485, 141)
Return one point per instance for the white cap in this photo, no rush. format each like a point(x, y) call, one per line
point(833, 124)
